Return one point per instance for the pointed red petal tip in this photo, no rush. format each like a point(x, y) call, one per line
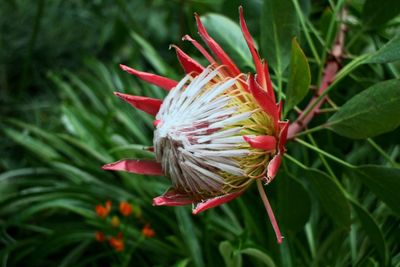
point(270, 89)
point(146, 104)
point(157, 80)
point(265, 142)
point(156, 123)
point(172, 198)
point(216, 48)
point(200, 48)
point(146, 167)
point(273, 167)
point(214, 202)
point(284, 126)
point(250, 43)
point(188, 64)
point(263, 99)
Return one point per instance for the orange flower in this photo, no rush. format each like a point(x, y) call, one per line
point(99, 236)
point(103, 211)
point(117, 243)
point(125, 208)
point(147, 231)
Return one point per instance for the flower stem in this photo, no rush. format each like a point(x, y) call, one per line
point(269, 211)
point(330, 156)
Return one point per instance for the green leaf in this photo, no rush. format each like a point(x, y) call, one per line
point(299, 77)
point(373, 231)
point(278, 27)
point(229, 36)
point(330, 196)
point(376, 13)
point(36, 147)
point(260, 255)
point(187, 230)
point(151, 54)
point(231, 258)
point(291, 192)
point(387, 53)
point(383, 182)
point(372, 112)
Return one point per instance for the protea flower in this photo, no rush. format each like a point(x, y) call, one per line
point(217, 131)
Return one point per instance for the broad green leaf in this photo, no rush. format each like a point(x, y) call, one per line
point(372, 112)
point(294, 203)
point(231, 257)
point(278, 27)
point(373, 231)
point(299, 77)
point(260, 255)
point(383, 182)
point(330, 196)
point(376, 13)
point(387, 53)
point(229, 36)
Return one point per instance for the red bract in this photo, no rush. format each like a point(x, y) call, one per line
point(217, 131)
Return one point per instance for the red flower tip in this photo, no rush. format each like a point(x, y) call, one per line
point(147, 104)
point(157, 80)
point(147, 167)
point(125, 208)
point(156, 123)
point(265, 142)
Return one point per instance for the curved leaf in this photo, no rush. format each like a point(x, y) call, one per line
point(387, 53)
point(231, 258)
point(383, 181)
point(373, 231)
point(370, 113)
point(331, 197)
point(260, 255)
point(376, 13)
point(299, 77)
point(290, 193)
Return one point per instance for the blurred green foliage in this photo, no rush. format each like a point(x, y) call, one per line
point(335, 198)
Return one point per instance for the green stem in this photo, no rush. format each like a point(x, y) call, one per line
point(312, 130)
point(326, 164)
point(306, 33)
point(316, 149)
point(382, 152)
point(295, 161)
point(341, 74)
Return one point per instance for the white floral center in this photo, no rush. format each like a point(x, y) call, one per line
point(198, 138)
